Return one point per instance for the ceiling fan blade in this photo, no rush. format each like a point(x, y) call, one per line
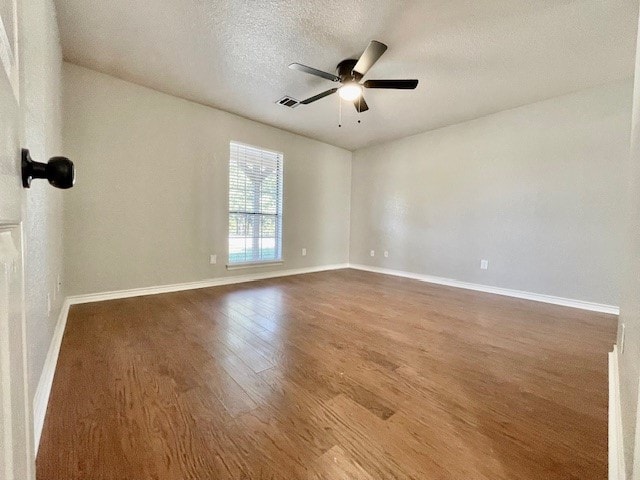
point(399, 84)
point(314, 71)
point(319, 96)
point(360, 104)
point(370, 56)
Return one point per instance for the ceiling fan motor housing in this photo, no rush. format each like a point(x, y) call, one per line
point(346, 73)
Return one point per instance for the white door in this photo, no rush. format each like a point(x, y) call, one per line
point(16, 452)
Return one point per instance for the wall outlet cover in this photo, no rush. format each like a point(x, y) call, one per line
point(304, 252)
point(484, 264)
point(213, 259)
point(372, 253)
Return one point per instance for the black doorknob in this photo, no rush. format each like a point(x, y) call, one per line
point(59, 171)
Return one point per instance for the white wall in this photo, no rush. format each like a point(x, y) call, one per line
point(150, 203)
point(537, 190)
point(40, 63)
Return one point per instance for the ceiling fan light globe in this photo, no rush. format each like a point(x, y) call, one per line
point(350, 92)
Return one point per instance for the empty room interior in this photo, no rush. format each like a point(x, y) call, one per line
point(319, 240)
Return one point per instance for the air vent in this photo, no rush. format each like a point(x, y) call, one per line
point(288, 102)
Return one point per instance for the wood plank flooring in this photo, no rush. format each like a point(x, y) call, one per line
point(333, 375)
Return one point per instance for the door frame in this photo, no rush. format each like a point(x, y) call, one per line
point(17, 459)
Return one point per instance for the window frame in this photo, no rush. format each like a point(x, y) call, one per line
point(279, 260)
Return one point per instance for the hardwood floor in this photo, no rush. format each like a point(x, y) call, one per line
point(333, 375)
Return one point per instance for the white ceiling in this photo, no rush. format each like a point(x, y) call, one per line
point(472, 57)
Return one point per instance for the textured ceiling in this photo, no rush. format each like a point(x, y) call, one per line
point(472, 57)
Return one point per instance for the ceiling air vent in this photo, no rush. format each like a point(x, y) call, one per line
point(288, 102)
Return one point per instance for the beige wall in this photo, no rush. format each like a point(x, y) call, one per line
point(40, 63)
point(150, 204)
point(536, 190)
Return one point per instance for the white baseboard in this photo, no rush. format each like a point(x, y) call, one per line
point(41, 397)
point(213, 282)
point(537, 297)
point(616, 451)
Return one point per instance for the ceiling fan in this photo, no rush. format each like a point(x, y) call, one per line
point(349, 74)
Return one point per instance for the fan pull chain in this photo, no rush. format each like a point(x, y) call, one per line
point(339, 111)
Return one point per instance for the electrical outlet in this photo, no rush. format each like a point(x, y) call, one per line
point(48, 303)
point(372, 253)
point(213, 259)
point(484, 264)
point(304, 252)
point(622, 338)
point(386, 254)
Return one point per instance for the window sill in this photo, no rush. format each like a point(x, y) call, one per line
point(242, 266)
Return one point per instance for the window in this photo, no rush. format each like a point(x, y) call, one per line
point(255, 205)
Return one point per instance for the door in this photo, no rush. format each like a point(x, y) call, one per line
point(16, 449)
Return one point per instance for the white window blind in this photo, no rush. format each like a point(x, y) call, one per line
point(255, 205)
